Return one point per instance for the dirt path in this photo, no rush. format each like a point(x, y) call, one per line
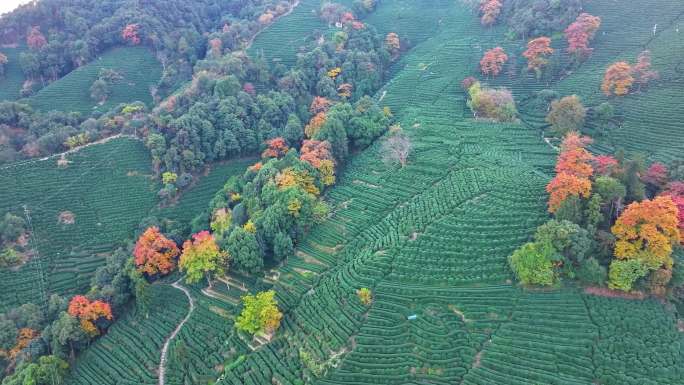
point(165, 349)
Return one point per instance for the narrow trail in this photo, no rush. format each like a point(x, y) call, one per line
point(165, 348)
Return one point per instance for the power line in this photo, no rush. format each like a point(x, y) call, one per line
point(38, 263)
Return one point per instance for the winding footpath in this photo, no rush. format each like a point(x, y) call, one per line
point(165, 348)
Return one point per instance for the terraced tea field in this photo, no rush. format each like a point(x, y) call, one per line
point(80, 210)
point(430, 241)
point(13, 79)
point(138, 66)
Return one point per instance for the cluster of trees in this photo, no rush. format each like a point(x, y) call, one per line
point(615, 222)
point(27, 134)
point(489, 103)
point(101, 87)
point(13, 242)
point(62, 36)
point(533, 18)
point(37, 343)
point(220, 115)
point(620, 77)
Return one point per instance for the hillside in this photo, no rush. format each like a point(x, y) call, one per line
point(139, 70)
point(11, 82)
point(417, 220)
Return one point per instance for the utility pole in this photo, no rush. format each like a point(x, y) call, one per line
point(37, 263)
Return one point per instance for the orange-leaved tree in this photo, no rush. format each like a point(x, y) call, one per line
point(580, 33)
point(493, 60)
point(490, 10)
point(277, 148)
point(573, 170)
point(618, 79)
point(537, 54)
point(645, 235)
point(90, 313)
point(315, 124)
point(319, 104)
point(154, 253)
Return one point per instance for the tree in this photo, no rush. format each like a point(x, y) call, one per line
point(396, 149)
point(11, 228)
point(315, 152)
point(492, 104)
point(642, 72)
point(580, 33)
point(201, 257)
point(537, 54)
point(320, 104)
point(244, 250)
point(675, 191)
point(90, 313)
point(49, 370)
point(618, 79)
point(365, 295)
point(35, 40)
point(493, 60)
point(216, 47)
point(154, 253)
point(656, 176)
point(647, 231)
point(532, 264)
point(490, 10)
point(573, 169)
point(566, 115)
point(260, 313)
point(605, 164)
point(3, 63)
point(393, 44)
point(100, 91)
point(130, 33)
point(623, 273)
point(277, 148)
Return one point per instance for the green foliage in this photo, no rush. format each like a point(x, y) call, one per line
point(244, 250)
point(568, 238)
point(11, 227)
point(492, 104)
point(624, 273)
point(259, 313)
point(590, 272)
point(532, 264)
point(49, 370)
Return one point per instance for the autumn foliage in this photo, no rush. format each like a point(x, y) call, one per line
point(89, 312)
point(201, 257)
point(35, 40)
point(490, 10)
point(154, 253)
point(675, 191)
point(130, 34)
point(605, 164)
point(277, 148)
point(393, 44)
point(580, 33)
point(657, 175)
point(315, 124)
point(493, 60)
point(573, 170)
point(646, 231)
point(314, 152)
point(537, 53)
point(618, 79)
point(320, 104)
point(642, 72)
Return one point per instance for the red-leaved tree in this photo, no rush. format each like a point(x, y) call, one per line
point(315, 151)
point(154, 253)
point(90, 313)
point(537, 54)
point(493, 60)
point(35, 40)
point(490, 10)
point(130, 34)
point(642, 71)
point(580, 33)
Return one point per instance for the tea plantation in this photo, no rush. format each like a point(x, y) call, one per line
point(80, 209)
point(430, 239)
point(137, 66)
